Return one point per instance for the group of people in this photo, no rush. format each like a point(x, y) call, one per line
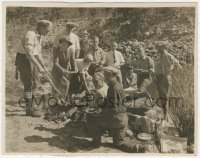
point(77, 64)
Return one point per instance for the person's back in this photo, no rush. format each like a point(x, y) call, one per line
point(81, 65)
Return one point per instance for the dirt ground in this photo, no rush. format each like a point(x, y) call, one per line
point(36, 135)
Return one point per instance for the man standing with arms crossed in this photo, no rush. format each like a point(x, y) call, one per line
point(30, 63)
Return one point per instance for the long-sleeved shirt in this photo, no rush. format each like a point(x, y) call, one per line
point(145, 63)
point(31, 43)
point(99, 55)
point(166, 63)
point(73, 37)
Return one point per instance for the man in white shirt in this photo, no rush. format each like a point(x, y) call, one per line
point(29, 61)
point(115, 59)
point(68, 31)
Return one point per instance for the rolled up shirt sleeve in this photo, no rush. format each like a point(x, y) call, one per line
point(151, 65)
point(173, 60)
point(29, 42)
point(122, 61)
point(77, 43)
point(103, 57)
point(72, 59)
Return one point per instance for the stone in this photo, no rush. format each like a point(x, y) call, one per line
point(144, 125)
point(129, 133)
point(151, 114)
point(172, 144)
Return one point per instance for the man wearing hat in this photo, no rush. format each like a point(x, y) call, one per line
point(85, 44)
point(68, 31)
point(30, 63)
point(113, 116)
point(166, 64)
point(63, 65)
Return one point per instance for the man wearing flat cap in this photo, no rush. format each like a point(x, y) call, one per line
point(166, 64)
point(113, 116)
point(30, 63)
point(68, 31)
point(63, 65)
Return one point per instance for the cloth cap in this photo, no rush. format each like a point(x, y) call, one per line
point(44, 23)
point(71, 24)
point(110, 69)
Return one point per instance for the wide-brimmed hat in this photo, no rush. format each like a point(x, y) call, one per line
point(86, 33)
point(45, 23)
point(71, 24)
point(65, 39)
point(111, 69)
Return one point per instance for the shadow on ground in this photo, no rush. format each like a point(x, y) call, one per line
point(71, 139)
point(70, 144)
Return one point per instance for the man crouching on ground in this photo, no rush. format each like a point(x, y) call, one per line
point(113, 116)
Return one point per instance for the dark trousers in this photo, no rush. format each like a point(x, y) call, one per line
point(116, 124)
point(29, 77)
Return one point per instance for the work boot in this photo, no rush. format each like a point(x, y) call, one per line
point(131, 147)
point(96, 142)
point(32, 111)
point(28, 107)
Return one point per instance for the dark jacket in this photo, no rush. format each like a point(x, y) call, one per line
point(114, 99)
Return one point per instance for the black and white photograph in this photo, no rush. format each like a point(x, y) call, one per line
point(97, 78)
